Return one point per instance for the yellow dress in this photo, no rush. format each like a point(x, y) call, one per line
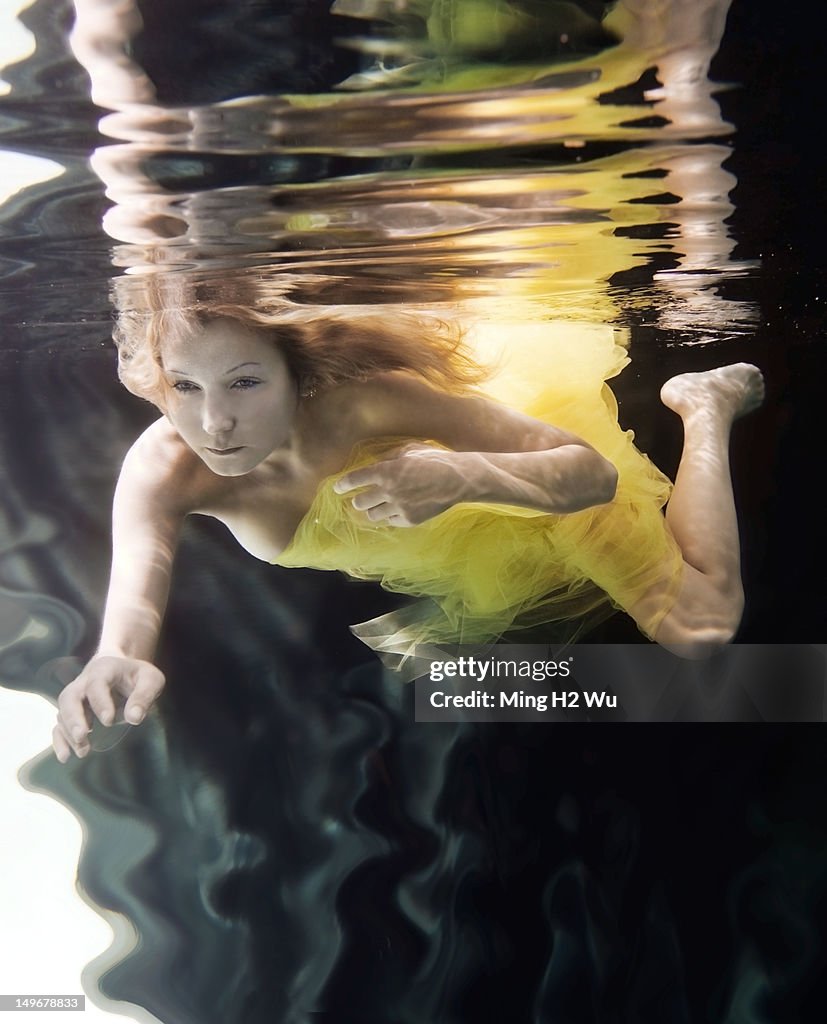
point(480, 570)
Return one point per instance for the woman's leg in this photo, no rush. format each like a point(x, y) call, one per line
point(701, 511)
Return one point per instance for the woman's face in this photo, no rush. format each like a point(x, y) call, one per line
point(231, 396)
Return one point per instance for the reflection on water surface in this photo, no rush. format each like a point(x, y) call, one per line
point(516, 179)
point(285, 843)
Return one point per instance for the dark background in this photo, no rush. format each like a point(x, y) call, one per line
point(596, 873)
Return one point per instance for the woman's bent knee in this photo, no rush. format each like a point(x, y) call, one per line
point(694, 635)
point(696, 645)
point(703, 619)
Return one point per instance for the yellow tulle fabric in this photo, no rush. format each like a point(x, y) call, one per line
point(480, 570)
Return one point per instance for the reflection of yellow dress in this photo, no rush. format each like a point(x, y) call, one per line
point(483, 569)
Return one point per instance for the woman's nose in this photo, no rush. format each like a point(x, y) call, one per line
point(217, 417)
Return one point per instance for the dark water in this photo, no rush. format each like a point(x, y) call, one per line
point(287, 843)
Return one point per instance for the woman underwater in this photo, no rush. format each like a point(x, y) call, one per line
point(354, 441)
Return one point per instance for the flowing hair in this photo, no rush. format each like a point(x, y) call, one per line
point(323, 344)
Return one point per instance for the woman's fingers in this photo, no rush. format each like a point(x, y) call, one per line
point(377, 505)
point(368, 499)
point(380, 505)
point(94, 692)
point(380, 474)
point(356, 478)
point(402, 490)
point(148, 681)
point(382, 511)
point(72, 714)
point(100, 700)
point(70, 739)
point(61, 745)
point(90, 692)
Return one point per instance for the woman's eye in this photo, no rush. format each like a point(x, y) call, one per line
point(184, 385)
point(245, 382)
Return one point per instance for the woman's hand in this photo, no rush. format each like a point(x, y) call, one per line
point(96, 692)
point(416, 483)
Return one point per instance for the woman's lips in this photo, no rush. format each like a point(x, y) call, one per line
point(225, 451)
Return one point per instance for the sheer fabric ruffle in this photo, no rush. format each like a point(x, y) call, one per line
point(482, 570)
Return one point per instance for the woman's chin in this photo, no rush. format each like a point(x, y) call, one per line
point(225, 471)
point(237, 464)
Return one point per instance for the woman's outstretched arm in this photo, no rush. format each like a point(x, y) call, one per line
point(146, 521)
point(495, 454)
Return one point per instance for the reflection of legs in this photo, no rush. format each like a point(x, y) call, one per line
point(701, 511)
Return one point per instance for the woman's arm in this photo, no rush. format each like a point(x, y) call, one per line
point(146, 521)
point(496, 455)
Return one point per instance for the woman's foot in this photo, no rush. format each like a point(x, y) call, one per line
point(731, 391)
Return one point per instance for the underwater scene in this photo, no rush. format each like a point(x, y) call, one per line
point(368, 306)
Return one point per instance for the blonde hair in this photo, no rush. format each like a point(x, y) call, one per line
point(324, 344)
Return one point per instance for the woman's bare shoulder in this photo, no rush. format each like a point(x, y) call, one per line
point(159, 448)
point(382, 403)
point(401, 404)
point(163, 468)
